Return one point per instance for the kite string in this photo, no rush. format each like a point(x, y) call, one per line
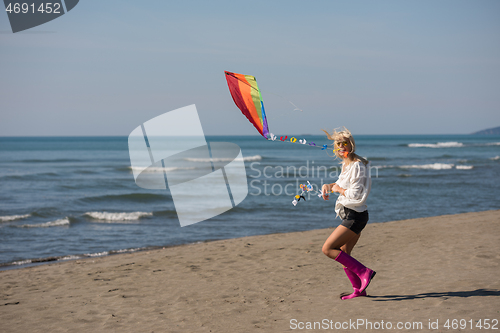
point(267, 92)
point(296, 108)
point(294, 140)
point(232, 75)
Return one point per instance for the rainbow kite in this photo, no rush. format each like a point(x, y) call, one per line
point(246, 95)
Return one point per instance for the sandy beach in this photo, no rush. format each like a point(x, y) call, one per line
point(429, 270)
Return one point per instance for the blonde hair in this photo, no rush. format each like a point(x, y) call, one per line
point(339, 134)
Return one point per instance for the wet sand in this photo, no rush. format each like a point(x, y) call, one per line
point(428, 269)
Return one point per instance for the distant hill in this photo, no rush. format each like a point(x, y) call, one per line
point(489, 131)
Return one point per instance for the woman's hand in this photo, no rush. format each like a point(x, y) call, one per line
point(325, 189)
point(338, 189)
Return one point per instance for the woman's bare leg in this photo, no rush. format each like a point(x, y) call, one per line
point(341, 236)
point(347, 248)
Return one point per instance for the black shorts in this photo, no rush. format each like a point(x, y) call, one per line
point(353, 220)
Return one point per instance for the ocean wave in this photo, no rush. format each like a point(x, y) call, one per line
point(245, 159)
point(434, 166)
point(99, 254)
point(9, 218)
point(114, 217)
point(77, 256)
point(133, 250)
point(131, 197)
point(493, 144)
point(159, 169)
point(57, 160)
point(451, 144)
point(168, 212)
point(70, 257)
point(382, 166)
point(46, 212)
point(130, 250)
point(85, 172)
point(496, 158)
point(21, 262)
point(56, 223)
point(35, 176)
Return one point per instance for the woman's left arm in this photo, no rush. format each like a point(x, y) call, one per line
point(338, 189)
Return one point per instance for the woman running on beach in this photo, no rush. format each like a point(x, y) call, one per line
point(353, 187)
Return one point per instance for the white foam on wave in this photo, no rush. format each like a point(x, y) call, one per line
point(382, 166)
point(493, 144)
point(13, 217)
point(245, 159)
point(22, 262)
point(496, 158)
point(70, 257)
point(114, 217)
point(436, 145)
point(99, 254)
point(129, 250)
point(435, 166)
point(56, 223)
point(464, 167)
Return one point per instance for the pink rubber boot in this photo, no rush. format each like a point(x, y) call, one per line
point(364, 273)
point(356, 284)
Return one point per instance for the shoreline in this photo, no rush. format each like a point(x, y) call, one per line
point(428, 269)
point(33, 262)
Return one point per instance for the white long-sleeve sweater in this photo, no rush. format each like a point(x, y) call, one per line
point(355, 179)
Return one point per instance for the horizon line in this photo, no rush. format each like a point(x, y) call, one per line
point(241, 135)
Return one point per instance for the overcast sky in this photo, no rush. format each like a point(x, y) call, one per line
point(377, 67)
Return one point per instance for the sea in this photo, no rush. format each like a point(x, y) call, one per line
point(65, 198)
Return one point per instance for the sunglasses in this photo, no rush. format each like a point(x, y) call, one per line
point(343, 143)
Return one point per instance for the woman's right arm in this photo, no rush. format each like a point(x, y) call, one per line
point(326, 189)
